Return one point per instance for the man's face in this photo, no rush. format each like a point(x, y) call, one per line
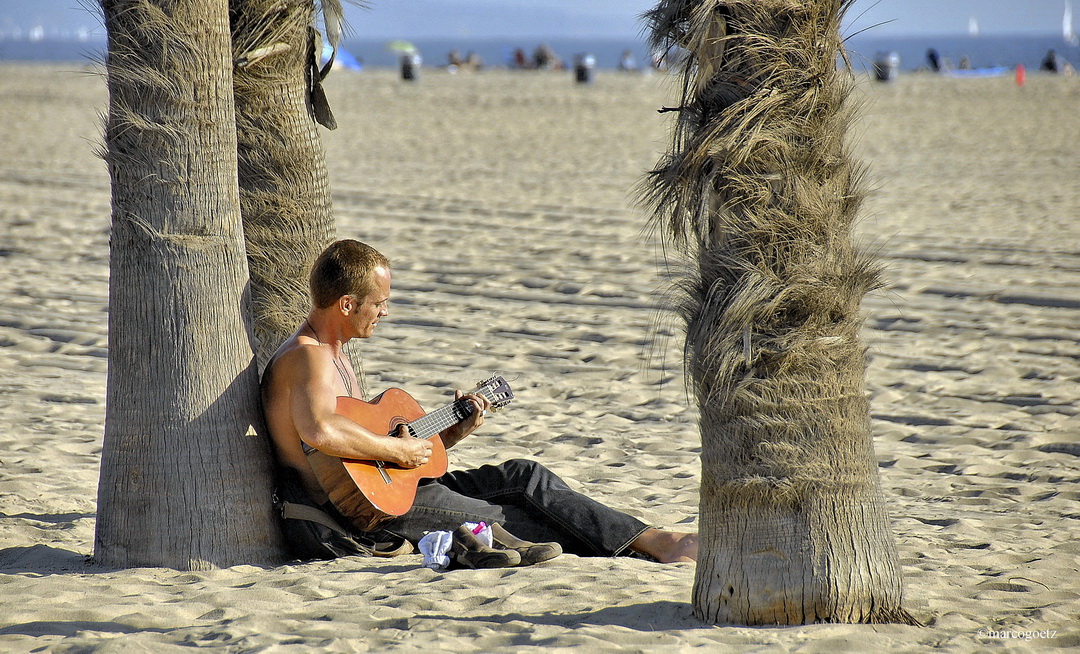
point(374, 307)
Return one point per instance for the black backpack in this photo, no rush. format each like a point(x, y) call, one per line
point(309, 531)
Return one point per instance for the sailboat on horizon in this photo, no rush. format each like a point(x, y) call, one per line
point(1067, 31)
point(973, 26)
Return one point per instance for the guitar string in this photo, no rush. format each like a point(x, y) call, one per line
point(457, 411)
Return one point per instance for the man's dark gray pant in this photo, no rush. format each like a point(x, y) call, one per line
point(528, 500)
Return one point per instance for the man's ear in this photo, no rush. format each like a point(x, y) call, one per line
point(346, 304)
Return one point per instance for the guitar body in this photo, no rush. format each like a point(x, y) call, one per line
point(371, 493)
point(365, 491)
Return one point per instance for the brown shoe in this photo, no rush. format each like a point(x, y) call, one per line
point(467, 551)
point(392, 547)
point(531, 553)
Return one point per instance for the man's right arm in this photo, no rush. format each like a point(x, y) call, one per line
point(312, 403)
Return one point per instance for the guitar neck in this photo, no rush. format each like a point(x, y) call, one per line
point(431, 424)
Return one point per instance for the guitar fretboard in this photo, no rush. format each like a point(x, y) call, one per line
point(430, 424)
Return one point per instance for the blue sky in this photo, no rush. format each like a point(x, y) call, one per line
point(587, 18)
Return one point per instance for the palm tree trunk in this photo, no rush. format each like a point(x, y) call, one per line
point(184, 484)
point(760, 192)
point(284, 188)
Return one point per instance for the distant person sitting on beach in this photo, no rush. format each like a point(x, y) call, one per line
point(455, 62)
point(473, 61)
point(933, 59)
point(1055, 63)
point(1050, 62)
point(544, 58)
point(538, 514)
point(521, 60)
point(627, 62)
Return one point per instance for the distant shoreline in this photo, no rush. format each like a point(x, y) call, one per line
point(983, 51)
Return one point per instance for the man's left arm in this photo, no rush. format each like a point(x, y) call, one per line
point(480, 405)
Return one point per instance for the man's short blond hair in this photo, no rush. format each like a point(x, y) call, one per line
point(346, 267)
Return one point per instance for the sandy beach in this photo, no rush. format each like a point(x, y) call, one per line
point(505, 202)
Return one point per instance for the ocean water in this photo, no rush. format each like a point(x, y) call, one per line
point(982, 51)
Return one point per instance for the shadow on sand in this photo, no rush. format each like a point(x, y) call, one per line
point(73, 628)
point(44, 560)
point(652, 616)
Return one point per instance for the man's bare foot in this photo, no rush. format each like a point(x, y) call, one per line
point(667, 546)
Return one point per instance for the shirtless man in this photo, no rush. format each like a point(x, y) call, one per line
point(350, 290)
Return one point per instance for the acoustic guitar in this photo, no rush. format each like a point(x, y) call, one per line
point(371, 493)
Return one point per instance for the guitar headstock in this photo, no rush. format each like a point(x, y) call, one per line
point(497, 391)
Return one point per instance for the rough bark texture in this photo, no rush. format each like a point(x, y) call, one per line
point(759, 194)
point(184, 482)
point(284, 188)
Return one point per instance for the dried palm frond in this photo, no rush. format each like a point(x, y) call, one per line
point(149, 62)
point(284, 190)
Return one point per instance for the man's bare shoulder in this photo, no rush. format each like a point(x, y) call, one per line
point(296, 357)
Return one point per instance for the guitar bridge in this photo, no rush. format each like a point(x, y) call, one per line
point(382, 472)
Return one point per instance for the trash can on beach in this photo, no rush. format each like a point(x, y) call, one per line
point(584, 66)
point(410, 66)
point(886, 66)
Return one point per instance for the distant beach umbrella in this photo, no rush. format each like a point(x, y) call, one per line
point(400, 46)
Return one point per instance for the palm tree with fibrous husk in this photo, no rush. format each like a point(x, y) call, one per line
point(183, 483)
point(284, 186)
point(179, 457)
point(758, 196)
